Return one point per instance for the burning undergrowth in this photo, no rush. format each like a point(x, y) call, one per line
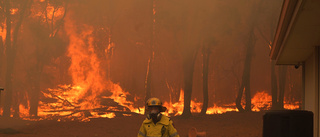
point(91, 94)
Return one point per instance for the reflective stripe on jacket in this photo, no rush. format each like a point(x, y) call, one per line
point(163, 128)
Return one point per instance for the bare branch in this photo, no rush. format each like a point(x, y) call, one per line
point(64, 100)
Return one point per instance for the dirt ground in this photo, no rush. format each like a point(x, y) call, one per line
point(231, 124)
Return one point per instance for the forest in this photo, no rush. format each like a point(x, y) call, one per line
point(102, 58)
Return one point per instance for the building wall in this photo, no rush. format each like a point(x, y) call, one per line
point(312, 88)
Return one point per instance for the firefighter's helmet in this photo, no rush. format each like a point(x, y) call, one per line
point(155, 102)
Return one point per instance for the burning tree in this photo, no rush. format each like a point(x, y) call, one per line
point(48, 19)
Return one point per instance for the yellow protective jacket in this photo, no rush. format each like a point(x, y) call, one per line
point(163, 128)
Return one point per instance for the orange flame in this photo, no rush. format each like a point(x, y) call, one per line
point(261, 101)
point(177, 108)
point(14, 11)
point(90, 86)
point(3, 32)
point(24, 111)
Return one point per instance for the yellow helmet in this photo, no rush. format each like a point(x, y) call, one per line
point(155, 102)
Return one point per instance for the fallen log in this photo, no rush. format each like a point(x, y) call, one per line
point(99, 110)
point(60, 98)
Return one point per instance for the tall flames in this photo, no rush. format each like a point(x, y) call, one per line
point(90, 95)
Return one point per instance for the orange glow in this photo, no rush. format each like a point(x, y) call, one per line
point(177, 108)
point(91, 94)
point(219, 110)
point(105, 115)
point(84, 96)
point(58, 12)
point(261, 101)
point(3, 32)
point(270, 43)
point(14, 11)
point(292, 106)
point(24, 111)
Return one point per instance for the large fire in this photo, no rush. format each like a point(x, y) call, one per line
point(92, 95)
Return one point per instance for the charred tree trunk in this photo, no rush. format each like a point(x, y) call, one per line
point(245, 84)
point(11, 52)
point(274, 86)
point(10, 62)
point(188, 69)
point(15, 104)
point(282, 82)
point(34, 98)
point(1, 68)
point(205, 71)
point(278, 88)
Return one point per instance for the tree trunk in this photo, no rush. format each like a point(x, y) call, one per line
point(1, 69)
point(11, 52)
point(274, 86)
point(15, 104)
point(34, 98)
point(245, 84)
point(205, 69)
point(282, 82)
point(188, 69)
point(10, 62)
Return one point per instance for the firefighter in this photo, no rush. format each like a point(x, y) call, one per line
point(156, 124)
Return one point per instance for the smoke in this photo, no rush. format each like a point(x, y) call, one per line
point(101, 46)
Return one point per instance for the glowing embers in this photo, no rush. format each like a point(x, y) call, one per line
point(57, 105)
point(14, 11)
point(292, 105)
point(261, 101)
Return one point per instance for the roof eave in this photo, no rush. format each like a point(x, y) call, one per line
point(285, 19)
